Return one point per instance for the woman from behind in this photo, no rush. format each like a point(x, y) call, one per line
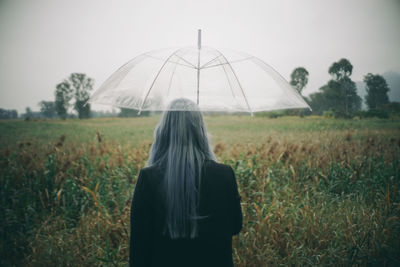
point(186, 206)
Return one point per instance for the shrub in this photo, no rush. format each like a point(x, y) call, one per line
point(374, 113)
point(328, 114)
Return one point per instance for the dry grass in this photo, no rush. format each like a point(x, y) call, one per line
point(314, 192)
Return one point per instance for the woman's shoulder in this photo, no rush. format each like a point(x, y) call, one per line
point(216, 166)
point(150, 170)
point(152, 174)
point(209, 166)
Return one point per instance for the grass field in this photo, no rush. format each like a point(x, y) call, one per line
point(314, 191)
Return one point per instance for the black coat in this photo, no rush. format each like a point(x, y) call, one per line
point(219, 201)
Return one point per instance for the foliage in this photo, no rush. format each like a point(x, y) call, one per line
point(48, 108)
point(318, 102)
point(328, 114)
point(301, 112)
point(6, 114)
point(340, 94)
point(83, 109)
point(299, 78)
point(342, 97)
point(76, 86)
point(377, 91)
point(314, 191)
point(273, 114)
point(63, 95)
point(392, 107)
point(374, 113)
point(28, 111)
point(341, 69)
point(82, 85)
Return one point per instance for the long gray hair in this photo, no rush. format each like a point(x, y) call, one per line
point(180, 147)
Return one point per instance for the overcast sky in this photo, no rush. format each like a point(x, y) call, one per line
point(43, 41)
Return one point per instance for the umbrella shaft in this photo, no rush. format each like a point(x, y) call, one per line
point(199, 39)
point(198, 84)
point(198, 63)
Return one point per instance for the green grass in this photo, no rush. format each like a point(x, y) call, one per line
point(314, 191)
point(221, 128)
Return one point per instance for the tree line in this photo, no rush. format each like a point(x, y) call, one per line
point(339, 98)
point(74, 91)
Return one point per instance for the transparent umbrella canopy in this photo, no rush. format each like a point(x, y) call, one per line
point(217, 80)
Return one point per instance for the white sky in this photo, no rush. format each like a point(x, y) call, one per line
point(43, 41)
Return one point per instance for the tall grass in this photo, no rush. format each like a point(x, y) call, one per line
point(314, 191)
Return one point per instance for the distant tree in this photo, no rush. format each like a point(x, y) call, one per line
point(63, 96)
point(341, 69)
point(47, 108)
point(318, 102)
point(83, 85)
point(83, 109)
point(393, 107)
point(6, 114)
point(341, 97)
point(13, 114)
point(28, 113)
point(299, 78)
point(377, 91)
point(340, 94)
point(76, 86)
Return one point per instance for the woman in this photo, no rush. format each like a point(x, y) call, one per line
point(186, 206)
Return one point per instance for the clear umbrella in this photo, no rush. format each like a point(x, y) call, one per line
point(215, 79)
